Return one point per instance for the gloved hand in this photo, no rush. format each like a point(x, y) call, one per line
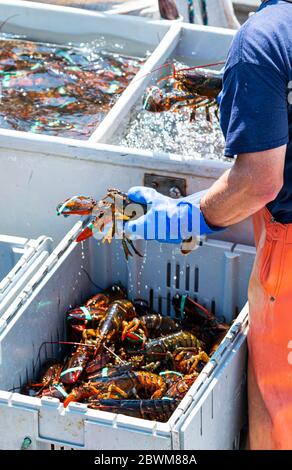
point(167, 220)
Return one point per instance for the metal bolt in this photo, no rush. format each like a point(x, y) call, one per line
point(175, 192)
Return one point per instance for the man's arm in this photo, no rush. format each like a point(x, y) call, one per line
point(254, 180)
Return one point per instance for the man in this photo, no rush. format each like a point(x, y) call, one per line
point(256, 118)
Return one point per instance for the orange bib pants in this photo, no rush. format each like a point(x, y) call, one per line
point(270, 336)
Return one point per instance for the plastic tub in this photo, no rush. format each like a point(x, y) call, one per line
point(216, 274)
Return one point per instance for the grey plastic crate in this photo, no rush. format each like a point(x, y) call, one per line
point(76, 271)
point(20, 258)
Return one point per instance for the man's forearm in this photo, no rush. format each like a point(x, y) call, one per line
point(244, 189)
point(225, 204)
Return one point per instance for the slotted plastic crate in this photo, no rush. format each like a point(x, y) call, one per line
point(20, 259)
point(47, 169)
point(216, 274)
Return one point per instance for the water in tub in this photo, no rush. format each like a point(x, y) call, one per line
point(63, 90)
point(173, 131)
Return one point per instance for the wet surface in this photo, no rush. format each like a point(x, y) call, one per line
point(60, 90)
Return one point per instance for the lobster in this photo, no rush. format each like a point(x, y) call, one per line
point(107, 374)
point(50, 372)
point(103, 299)
point(54, 391)
point(199, 86)
point(114, 207)
point(81, 318)
point(49, 381)
point(111, 323)
point(138, 384)
point(101, 360)
point(201, 322)
point(170, 377)
point(181, 387)
point(76, 364)
point(149, 326)
point(186, 360)
point(82, 392)
point(158, 410)
point(156, 349)
point(137, 363)
point(90, 314)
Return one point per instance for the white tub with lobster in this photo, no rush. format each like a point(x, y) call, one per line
point(212, 413)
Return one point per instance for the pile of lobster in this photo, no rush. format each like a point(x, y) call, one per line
point(127, 359)
point(60, 90)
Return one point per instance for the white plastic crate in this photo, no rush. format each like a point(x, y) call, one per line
point(72, 274)
point(20, 259)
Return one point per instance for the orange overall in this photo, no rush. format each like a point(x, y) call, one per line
point(270, 336)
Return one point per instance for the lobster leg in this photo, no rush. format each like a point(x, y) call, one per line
point(208, 106)
point(130, 327)
point(109, 236)
point(158, 394)
point(115, 389)
point(133, 247)
point(200, 357)
point(126, 249)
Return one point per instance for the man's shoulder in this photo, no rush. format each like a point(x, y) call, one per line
point(262, 38)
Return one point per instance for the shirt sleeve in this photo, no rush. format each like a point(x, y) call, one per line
point(254, 109)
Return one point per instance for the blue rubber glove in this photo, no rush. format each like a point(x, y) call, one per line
point(167, 220)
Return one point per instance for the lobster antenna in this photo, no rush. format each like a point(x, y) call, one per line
point(196, 304)
point(7, 19)
point(93, 283)
point(202, 66)
point(114, 354)
point(72, 343)
point(167, 64)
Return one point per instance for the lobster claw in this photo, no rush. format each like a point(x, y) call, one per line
point(76, 205)
point(99, 224)
point(86, 233)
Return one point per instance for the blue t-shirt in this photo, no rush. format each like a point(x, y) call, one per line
point(256, 103)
